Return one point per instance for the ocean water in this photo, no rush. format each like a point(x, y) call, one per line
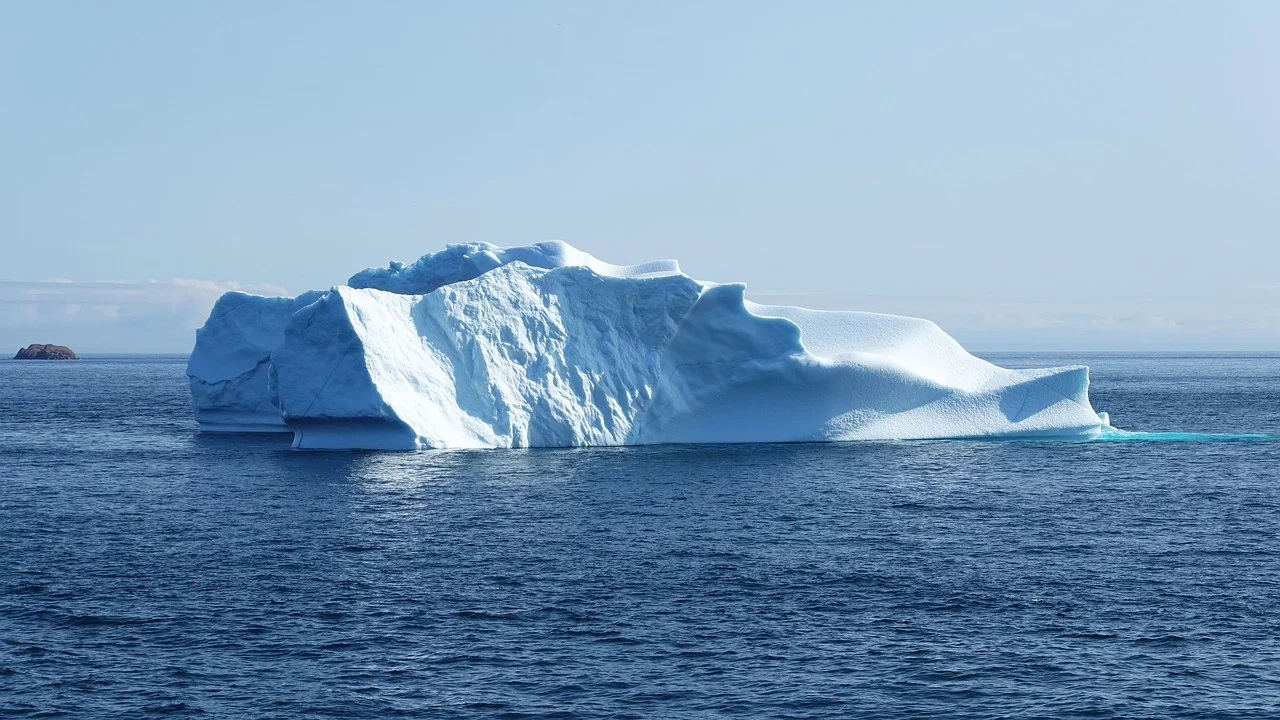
point(149, 571)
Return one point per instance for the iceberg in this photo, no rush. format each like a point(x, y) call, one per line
point(478, 346)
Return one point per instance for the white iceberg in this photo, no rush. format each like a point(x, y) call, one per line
point(546, 346)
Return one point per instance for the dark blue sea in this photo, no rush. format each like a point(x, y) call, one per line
point(147, 570)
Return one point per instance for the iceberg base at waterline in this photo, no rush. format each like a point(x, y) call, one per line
point(545, 346)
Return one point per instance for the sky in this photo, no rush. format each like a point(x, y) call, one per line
point(1051, 176)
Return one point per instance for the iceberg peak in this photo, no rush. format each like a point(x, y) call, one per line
point(457, 263)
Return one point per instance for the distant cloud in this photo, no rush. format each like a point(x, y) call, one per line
point(154, 316)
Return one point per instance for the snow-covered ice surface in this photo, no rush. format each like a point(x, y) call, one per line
point(546, 346)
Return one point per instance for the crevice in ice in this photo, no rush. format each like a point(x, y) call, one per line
point(332, 371)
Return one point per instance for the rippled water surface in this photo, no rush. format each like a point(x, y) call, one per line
point(146, 570)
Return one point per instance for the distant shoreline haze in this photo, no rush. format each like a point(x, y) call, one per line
point(162, 317)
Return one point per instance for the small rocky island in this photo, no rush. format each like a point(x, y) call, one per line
point(45, 352)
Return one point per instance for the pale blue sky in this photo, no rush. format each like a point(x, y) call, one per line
point(1045, 175)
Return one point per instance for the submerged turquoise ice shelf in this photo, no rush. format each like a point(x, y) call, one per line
point(1116, 435)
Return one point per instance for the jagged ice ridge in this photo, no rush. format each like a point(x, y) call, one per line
point(478, 346)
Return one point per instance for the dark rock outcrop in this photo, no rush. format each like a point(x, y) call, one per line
point(45, 352)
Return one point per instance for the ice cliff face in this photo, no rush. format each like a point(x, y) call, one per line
point(478, 346)
point(229, 369)
point(518, 357)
